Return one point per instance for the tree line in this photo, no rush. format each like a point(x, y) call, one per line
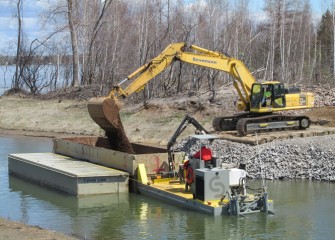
point(101, 42)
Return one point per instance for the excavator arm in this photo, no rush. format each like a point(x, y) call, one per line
point(105, 110)
point(148, 71)
point(182, 126)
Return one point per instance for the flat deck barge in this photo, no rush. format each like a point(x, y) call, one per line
point(215, 192)
point(67, 174)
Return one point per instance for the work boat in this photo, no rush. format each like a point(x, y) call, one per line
point(206, 186)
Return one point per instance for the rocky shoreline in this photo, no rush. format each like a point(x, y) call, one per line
point(299, 158)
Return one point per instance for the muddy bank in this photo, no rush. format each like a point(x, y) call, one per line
point(10, 230)
point(156, 122)
point(30, 133)
point(53, 118)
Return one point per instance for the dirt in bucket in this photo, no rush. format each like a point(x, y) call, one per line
point(105, 112)
point(118, 139)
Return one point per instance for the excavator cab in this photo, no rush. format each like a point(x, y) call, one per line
point(267, 96)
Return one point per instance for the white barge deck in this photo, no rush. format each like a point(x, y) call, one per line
point(67, 174)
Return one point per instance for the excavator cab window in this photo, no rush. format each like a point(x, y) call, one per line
point(267, 95)
point(256, 95)
point(279, 95)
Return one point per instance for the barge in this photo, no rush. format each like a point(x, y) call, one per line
point(216, 189)
point(205, 185)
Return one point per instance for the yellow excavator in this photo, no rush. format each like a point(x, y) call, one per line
point(258, 100)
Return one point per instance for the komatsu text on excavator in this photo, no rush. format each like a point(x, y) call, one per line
point(258, 100)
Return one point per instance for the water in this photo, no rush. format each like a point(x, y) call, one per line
point(6, 76)
point(304, 210)
point(47, 73)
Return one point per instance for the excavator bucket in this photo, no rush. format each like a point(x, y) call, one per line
point(105, 112)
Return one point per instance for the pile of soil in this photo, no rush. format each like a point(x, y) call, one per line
point(324, 116)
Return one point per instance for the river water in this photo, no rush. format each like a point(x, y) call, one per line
point(304, 209)
point(45, 75)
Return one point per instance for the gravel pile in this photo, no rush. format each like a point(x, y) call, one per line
point(300, 158)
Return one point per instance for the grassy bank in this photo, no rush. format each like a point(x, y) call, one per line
point(35, 117)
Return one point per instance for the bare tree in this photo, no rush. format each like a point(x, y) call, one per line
point(113, 38)
point(19, 4)
point(74, 41)
point(98, 23)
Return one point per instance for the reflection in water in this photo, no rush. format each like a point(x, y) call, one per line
point(143, 211)
point(143, 220)
point(82, 215)
point(304, 210)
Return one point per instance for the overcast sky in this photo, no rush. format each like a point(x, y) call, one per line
point(32, 8)
point(8, 24)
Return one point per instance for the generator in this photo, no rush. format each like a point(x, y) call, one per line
point(214, 183)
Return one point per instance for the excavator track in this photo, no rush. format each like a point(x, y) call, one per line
point(227, 123)
point(249, 123)
point(271, 123)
